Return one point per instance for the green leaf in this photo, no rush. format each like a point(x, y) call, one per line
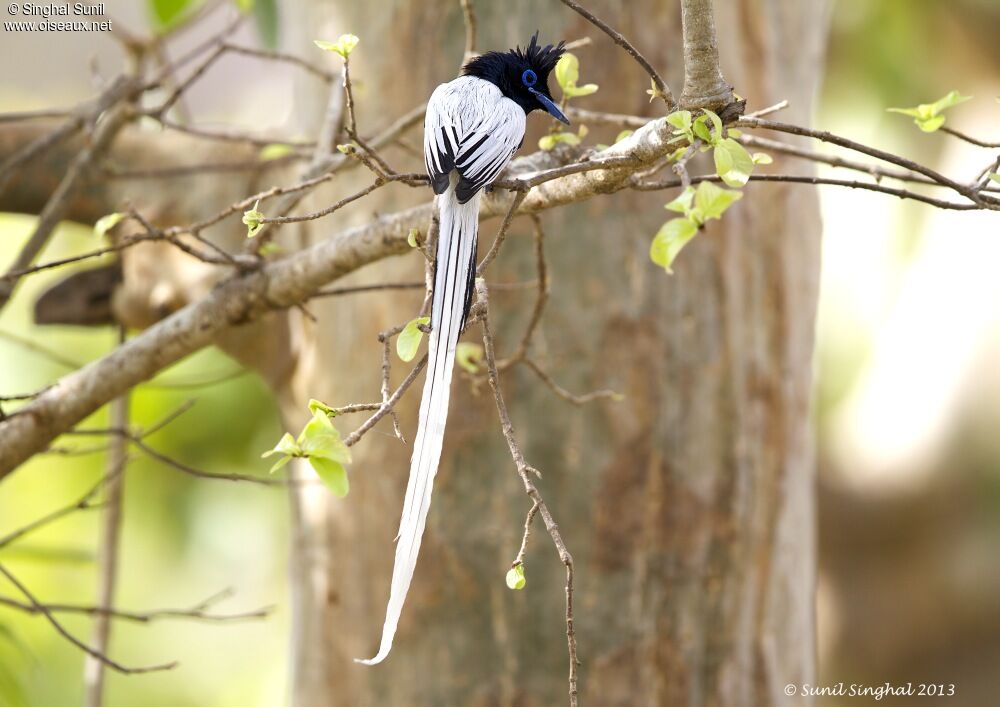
point(577, 91)
point(106, 223)
point(567, 71)
point(994, 176)
point(333, 475)
point(166, 13)
point(344, 45)
point(712, 201)
point(669, 241)
point(244, 6)
point(676, 154)
point(411, 237)
point(913, 112)
point(681, 120)
point(701, 130)
point(286, 445)
point(319, 406)
point(930, 124)
point(270, 248)
point(274, 151)
point(622, 135)
point(252, 219)
point(548, 142)
point(278, 464)
point(515, 577)
point(655, 92)
point(732, 162)
point(952, 98)
point(716, 125)
point(469, 356)
point(320, 439)
point(927, 116)
point(761, 158)
point(682, 203)
point(408, 340)
point(265, 15)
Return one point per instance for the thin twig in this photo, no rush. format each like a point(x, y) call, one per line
point(386, 367)
point(797, 179)
point(232, 135)
point(58, 202)
point(198, 612)
point(108, 550)
point(825, 136)
point(565, 394)
point(81, 504)
point(269, 55)
point(620, 40)
point(469, 18)
point(502, 231)
point(519, 560)
point(41, 113)
point(47, 613)
point(355, 289)
point(968, 138)
point(525, 472)
point(541, 268)
point(387, 406)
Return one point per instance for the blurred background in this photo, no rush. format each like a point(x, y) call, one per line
point(907, 404)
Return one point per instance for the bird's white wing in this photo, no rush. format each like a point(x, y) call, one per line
point(471, 127)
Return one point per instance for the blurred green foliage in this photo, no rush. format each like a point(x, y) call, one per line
point(184, 538)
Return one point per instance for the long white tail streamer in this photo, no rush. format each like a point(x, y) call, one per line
point(456, 251)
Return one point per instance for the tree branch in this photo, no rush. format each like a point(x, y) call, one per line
point(704, 86)
point(107, 560)
point(663, 91)
point(292, 280)
point(47, 613)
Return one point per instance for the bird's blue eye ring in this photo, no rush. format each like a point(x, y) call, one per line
point(529, 78)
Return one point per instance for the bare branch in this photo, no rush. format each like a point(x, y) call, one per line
point(642, 185)
point(824, 136)
point(198, 612)
point(619, 39)
point(968, 138)
point(269, 55)
point(387, 406)
point(355, 289)
point(292, 280)
point(565, 394)
point(104, 134)
point(543, 296)
point(469, 17)
point(47, 613)
point(525, 471)
point(81, 504)
point(107, 557)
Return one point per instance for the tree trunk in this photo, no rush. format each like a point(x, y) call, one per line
point(689, 506)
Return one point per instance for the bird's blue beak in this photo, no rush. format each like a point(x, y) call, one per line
point(551, 107)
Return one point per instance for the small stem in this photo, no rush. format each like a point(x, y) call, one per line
point(93, 669)
point(619, 39)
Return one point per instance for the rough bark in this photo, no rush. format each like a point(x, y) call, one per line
point(704, 86)
point(688, 507)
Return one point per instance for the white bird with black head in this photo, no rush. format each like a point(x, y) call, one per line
point(472, 129)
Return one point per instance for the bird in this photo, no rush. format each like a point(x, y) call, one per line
point(473, 126)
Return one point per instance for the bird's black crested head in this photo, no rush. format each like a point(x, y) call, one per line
point(521, 74)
